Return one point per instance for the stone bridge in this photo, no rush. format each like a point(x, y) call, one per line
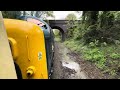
point(60, 25)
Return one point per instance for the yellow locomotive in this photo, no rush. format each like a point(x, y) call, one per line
point(28, 49)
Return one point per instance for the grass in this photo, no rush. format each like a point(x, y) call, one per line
point(105, 57)
point(57, 38)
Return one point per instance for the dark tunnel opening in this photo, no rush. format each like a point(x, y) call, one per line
point(60, 32)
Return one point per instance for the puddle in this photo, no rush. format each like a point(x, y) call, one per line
point(71, 65)
point(74, 66)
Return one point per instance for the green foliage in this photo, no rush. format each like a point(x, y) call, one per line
point(73, 45)
point(94, 54)
point(110, 35)
point(116, 14)
point(115, 56)
point(71, 16)
point(79, 31)
point(11, 14)
point(104, 30)
point(113, 72)
point(94, 44)
point(98, 42)
point(44, 14)
point(56, 32)
point(57, 35)
point(57, 38)
point(106, 19)
point(39, 14)
point(72, 29)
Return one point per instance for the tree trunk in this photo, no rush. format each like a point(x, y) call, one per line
point(83, 16)
point(24, 13)
point(91, 18)
point(32, 13)
point(37, 14)
point(94, 17)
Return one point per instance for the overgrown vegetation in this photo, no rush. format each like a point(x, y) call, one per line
point(16, 14)
point(11, 14)
point(97, 38)
point(57, 35)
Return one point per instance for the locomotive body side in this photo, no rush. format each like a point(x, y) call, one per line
point(49, 39)
point(28, 48)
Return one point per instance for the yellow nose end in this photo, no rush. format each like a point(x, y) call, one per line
point(30, 71)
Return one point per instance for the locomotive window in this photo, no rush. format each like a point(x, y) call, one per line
point(44, 26)
point(35, 21)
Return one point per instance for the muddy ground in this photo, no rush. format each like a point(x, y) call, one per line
point(69, 65)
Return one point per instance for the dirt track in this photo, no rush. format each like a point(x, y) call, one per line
point(69, 65)
point(65, 65)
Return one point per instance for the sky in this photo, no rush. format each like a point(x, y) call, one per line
point(62, 14)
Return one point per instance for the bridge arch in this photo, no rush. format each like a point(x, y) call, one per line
point(61, 31)
point(60, 25)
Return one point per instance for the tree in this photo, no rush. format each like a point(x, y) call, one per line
point(39, 14)
point(24, 12)
point(90, 17)
point(83, 16)
point(71, 16)
point(11, 14)
point(106, 19)
point(71, 24)
point(44, 14)
point(32, 13)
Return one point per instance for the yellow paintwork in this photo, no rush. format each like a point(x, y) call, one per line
point(30, 71)
point(14, 48)
point(27, 45)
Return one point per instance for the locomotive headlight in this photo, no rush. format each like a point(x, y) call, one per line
point(30, 71)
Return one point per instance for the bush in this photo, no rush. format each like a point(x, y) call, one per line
point(110, 35)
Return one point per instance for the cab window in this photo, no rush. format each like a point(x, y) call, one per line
point(41, 24)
